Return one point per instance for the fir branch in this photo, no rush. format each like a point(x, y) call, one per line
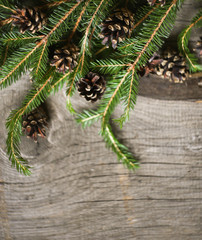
point(55, 31)
point(79, 19)
point(104, 7)
point(124, 82)
point(87, 118)
point(81, 67)
point(13, 146)
point(85, 42)
point(121, 68)
point(109, 66)
point(112, 101)
point(151, 45)
point(101, 50)
point(11, 42)
point(71, 83)
point(40, 58)
point(153, 35)
point(18, 39)
point(121, 151)
point(33, 100)
point(70, 106)
point(146, 13)
point(59, 82)
point(130, 98)
point(7, 8)
point(69, 91)
point(12, 70)
point(15, 70)
point(54, 4)
point(183, 41)
point(5, 53)
point(40, 61)
point(130, 93)
point(145, 16)
point(71, 87)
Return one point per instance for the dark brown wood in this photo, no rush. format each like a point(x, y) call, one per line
point(160, 88)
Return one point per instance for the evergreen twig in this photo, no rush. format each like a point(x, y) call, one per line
point(183, 41)
point(79, 22)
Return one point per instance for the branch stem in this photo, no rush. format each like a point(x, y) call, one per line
point(183, 40)
point(12, 10)
point(101, 50)
point(78, 20)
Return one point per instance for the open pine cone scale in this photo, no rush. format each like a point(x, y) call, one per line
point(65, 58)
point(173, 67)
point(30, 19)
point(117, 27)
point(92, 86)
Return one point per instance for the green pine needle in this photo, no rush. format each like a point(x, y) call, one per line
point(183, 41)
point(121, 151)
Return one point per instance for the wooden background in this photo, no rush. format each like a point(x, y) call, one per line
point(78, 190)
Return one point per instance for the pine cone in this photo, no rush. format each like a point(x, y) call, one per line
point(30, 19)
point(173, 67)
point(198, 48)
point(150, 67)
point(117, 27)
point(65, 58)
point(152, 2)
point(34, 122)
point(92, 86)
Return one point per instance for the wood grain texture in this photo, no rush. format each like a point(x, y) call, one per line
point(78, 190)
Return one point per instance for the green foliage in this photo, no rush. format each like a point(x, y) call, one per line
point(79, 22)
point(87, 118)
point(16, 64)
point(121, 151)
point(32, 100)
point(124, 86)
point(183, 42)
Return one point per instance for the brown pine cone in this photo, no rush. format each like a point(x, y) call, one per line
point(173, 67)
point(150, 67)
point(92, 86)
point(117, 27)
point(152, 2)
point(34, 122)
point(65, 58)
point(31, 19)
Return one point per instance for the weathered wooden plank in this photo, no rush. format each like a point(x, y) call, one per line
point(78, 190)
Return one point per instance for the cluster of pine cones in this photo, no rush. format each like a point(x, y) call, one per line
point(114, 29)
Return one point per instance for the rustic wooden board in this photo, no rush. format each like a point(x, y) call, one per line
point(78, 190)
